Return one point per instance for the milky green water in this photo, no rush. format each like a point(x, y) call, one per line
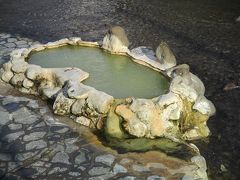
point(116, 75)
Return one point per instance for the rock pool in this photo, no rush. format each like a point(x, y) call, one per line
point(116, 75)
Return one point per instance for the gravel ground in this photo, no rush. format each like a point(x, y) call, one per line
point(202, 33)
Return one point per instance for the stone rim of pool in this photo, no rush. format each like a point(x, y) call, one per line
point(179, 115)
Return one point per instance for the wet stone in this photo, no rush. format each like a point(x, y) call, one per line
point(14, 126)
point(13, 136)
point(61, 157)
point(81, 158)
point(34, 136)
point(105, 159)
point(36, 145)
point(98, 171)
point(5, 157)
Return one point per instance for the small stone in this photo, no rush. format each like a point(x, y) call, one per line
point(7, 66)
point(20, 67)
point(61, 157)
point(156, 178)
point(62, 104)
point(5, 157)
point(238, 19)
point(10, 45)
point(36, 145)
point(13, 136)
point(4, 118)
point(83, 121)
point(33, 71)
point(57, 170)
point(105, 159)
point(140, 168)
point(7, 76)
point(11, 40)
point(119, 169)
point(14, 126)
point(78, 106)
point(17, 79)
point(223, 168)
point(98, 171)
point(81, 158)
point(34, 136)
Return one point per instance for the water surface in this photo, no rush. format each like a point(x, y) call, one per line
point(116, 75)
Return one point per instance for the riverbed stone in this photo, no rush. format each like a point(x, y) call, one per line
point(107, 159)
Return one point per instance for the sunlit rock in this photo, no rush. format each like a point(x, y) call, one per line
point(116, 40)
point(165, 56)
